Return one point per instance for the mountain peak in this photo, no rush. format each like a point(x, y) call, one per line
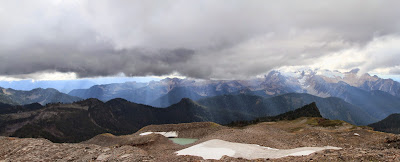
point(117, 100)
point(89, 102)
point(171, 79)
point(310, 110)
point(186, 100)
point(354, 71)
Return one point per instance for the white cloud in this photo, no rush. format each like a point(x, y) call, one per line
point(45, 75)
point(381, 55)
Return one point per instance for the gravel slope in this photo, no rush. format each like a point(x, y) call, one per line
point(368, 145)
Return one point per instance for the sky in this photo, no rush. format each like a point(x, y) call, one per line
point(208, 39)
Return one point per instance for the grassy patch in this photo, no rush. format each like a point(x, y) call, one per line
point(366, 127)
point(295, 129)
point(331, 123)
point(107, 134)
point(324, 122)
point(214, 124)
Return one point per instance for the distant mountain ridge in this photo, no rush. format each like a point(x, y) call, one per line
point(366, 82)
point(38, 95)
point(63, 86)
point(375, 96)
point(331, 108)
point(162, 93)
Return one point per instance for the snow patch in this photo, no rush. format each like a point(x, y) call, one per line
point(207, 152)
point(172, 134)
point(146, 133)
point(330, 74)
point(216, 149)
point(302, 153)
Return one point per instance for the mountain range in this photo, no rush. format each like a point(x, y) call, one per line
point(82, 120)
point(162, 93)
point(38, 95)
point(376, 96)
point(63, 86)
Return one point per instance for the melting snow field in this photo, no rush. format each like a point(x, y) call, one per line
point(166, 134)
point(215, 149)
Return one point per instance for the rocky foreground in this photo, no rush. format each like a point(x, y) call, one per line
point(357, 143)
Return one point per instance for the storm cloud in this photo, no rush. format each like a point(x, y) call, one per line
point(199, 39)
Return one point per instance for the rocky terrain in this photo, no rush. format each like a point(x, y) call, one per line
point(357, 143)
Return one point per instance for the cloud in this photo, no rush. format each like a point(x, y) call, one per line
point(45, 75)
point(380, 56)
point(200, 39)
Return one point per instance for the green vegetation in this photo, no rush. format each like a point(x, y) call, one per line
point(324, 122)
point(295, 129)
point(309, 110)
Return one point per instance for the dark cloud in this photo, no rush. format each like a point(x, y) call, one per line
point(201, 39)
point(395, 71)
point(94, 62)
